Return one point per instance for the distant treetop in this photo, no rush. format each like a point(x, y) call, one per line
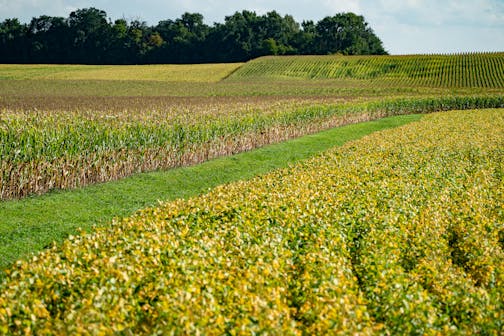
point(88, 37)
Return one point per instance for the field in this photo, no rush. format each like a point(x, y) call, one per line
point(397, 233)
point(464, 70)
point(66, 139)
point(367, 238)
point(206, 73)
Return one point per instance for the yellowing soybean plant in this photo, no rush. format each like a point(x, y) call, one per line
point(398, 233)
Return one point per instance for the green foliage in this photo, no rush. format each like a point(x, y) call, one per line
point(348, 34)
point(85, 37)
point(396, 233)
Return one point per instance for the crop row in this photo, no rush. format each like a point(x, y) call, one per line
point(38, 92)
point(397, 233)
point(461, 70)
point(41, 151)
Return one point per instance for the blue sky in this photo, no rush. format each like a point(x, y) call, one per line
point(404, 26)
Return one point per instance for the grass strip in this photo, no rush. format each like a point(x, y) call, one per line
point(31, 224)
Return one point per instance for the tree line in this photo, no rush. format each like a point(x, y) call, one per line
point(87, 36)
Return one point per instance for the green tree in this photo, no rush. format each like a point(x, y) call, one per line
point(346, 33)
point(87, 36)
point(48, 38)
point(237, 36)
point(280, 29)
point(118, 52)
point(304, 40)
point(91, 34)
point(246, 35)
point(13, 43)
point(183, 39)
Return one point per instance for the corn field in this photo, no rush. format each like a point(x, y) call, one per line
point(41, 151)
point(476, 70)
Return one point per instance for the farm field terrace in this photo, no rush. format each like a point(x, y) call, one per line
point(449, 71)
point(399, 232)
point(206, 73)
point(60, 133)
point(345, 76)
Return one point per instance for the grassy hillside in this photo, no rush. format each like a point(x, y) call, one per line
point(463, 70)
point(165, 72)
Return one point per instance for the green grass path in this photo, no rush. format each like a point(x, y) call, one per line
point(30, 224)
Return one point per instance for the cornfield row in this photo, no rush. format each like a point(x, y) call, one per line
point(398, 233)
point(42, 151)
point(476, 70)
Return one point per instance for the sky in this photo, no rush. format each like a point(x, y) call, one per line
point(404, 26)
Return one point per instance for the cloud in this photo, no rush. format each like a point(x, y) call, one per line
point(417, 26)
point(25, 10)
point(338, 6)
point(483, 13)
point(410, 39)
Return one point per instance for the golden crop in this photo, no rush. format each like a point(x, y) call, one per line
point(60, 149)
point(400, 232)
point(203, 73)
